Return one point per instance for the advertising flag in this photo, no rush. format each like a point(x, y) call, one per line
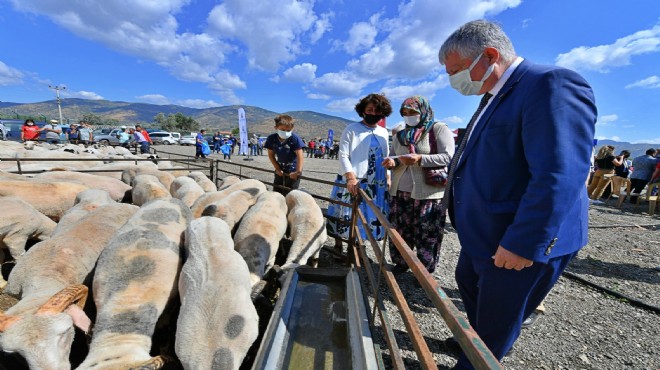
point(242, 128)
point(331, 135)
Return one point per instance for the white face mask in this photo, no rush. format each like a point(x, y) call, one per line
point(411, 120)
point(462, 82)
point(284, 134)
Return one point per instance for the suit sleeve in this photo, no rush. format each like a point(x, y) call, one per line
point(558, 124)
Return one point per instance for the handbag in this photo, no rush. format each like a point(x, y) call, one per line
point(434, 176)
point(206, 149)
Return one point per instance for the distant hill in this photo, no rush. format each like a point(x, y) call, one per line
point(260, 121)
point(635, 149)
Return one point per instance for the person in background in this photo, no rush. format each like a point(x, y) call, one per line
point(624, 169)
point(30, 131)
point(123, 137)
point(73, 133)
point(285, 154)
point(518, 228)
point(311, 148)
point(53, 132)
point(139, 140)
point(217, 142)
point(260, 145)
point(85, 133)
point(605, 161)
point(226, 150)
point(415, 210)
point(362, 148)
point(199, 140)
point(643, 167)
point(144, 133)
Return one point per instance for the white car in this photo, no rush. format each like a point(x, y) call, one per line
point(162, 137)
point(187, 140)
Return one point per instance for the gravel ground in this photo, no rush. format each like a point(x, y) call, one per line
point(582, 328)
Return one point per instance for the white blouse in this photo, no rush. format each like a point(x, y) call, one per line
point(354, 148)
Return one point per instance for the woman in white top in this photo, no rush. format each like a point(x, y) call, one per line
point(362, 148)
point(415, 210)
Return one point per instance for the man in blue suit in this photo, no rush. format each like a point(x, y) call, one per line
point(518, 200)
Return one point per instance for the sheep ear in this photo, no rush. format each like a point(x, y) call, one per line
point(6, 321)
point(80, 319)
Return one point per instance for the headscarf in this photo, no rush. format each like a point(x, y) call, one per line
point(419, 104)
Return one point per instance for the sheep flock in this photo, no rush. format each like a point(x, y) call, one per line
point(151, 246)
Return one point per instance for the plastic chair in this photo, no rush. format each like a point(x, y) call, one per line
point(620, 188)
point(652, 196)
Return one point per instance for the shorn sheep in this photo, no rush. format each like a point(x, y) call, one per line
point(217, 322)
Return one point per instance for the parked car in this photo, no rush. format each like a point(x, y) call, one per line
point(161, 137)
point(187, 140)
point(13, 129)
point(109, 138)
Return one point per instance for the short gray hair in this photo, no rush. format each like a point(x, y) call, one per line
point(470, 40)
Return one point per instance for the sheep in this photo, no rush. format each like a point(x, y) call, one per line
point(228, 181)
point(307, 228)
point(115, 170)
point(146, 188)
point(258, 237)
point(136, 277)
point(165, 178)
point(48, 281)
point(20, 222)
point(117, 189)
point(232, 207)
point(86, 201)
point(217, 322)
point(202, 202)
point(50, 198)
point(186, 189)
point(203, 181)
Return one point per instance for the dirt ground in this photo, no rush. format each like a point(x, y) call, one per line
point(583, 328)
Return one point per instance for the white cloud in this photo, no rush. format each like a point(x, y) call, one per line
point(601, 58)
point(339, 84)
point(305, 72)
point(318, 96)
point(153, 99)
point(198, 103)
point(145, 29)
point(343, 105)
point(272, 30)
point(10, 76)
point(647, 141)
point(424, 88)
point(82, 94)
point(361, 36)
point(613, 138)
point(321, 26)
point(652, 82)
point(526, 22)
point(452, 120)
point(606, 120)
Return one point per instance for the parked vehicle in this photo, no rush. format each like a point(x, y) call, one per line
point(3, 132)
point(110, 138)
point(187, 140)
point(161, 137)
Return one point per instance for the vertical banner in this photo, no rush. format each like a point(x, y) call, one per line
point(242, 127)
point(331, 136)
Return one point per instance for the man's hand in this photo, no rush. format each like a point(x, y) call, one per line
point(509, 260)
point(294, 175)
point(410, 159)
point(388, 163)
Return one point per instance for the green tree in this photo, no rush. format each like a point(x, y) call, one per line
point(93, 119)
point(235, 131)
point(176, 122)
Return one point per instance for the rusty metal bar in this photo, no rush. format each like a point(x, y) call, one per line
point(390, 339)
point(473, 347)
point(417, 338)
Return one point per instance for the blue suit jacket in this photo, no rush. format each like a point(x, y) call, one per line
point(520, 182)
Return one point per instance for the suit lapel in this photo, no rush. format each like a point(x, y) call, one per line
point(496, 100)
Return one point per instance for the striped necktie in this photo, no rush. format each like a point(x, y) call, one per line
point(459, 151)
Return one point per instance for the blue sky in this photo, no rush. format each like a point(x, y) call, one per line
point(322, 55)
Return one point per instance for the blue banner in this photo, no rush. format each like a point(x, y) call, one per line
point(331, 135)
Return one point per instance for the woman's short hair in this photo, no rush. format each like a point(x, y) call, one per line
point(382, 104)
point(284, 120)
point(28, 120)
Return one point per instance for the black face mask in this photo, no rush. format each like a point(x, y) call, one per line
point(372, 119)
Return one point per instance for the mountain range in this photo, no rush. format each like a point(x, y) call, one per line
point(260, 121)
